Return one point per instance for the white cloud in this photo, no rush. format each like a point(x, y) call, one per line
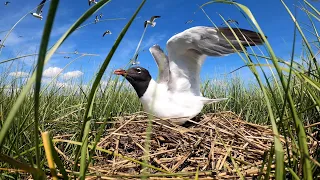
point(48, 80)
point(62, 85)
point(72, 74)
point(18, 74)
point(52, 72)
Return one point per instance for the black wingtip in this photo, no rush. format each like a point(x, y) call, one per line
point(253, 38)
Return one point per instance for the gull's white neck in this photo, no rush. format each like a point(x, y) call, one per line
point(153, 89)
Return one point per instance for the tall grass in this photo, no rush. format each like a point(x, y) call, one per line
point(288, 100)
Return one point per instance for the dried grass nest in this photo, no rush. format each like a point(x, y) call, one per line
point(218, 144)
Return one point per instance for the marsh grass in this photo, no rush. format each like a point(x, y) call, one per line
point(285, 95)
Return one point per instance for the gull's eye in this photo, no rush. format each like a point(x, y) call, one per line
point(138, 70)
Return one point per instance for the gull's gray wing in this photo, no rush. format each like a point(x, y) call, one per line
point(188, 50)
point(163, 63)
point(153, 18)
point(40, 6)
point(107, 32)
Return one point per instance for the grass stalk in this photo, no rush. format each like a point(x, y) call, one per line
point(6, 126)
point(41, 59)
point(48, 150)
point(87, 114)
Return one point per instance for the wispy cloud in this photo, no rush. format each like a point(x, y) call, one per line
point(14, 39)
point(130, 45)
point(154, 39)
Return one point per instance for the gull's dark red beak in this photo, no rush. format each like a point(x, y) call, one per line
point(120, 72)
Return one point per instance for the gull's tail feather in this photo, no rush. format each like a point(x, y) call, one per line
point(210, 101)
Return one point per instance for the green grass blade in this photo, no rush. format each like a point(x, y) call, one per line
point(303, 37)
point(294, 175)
point(48, 150)
point(312, 7)
point(41, 59)
point(52, 153)
point(19, 57)
point(7, 35)
point(278, 146)
point(312, 82)
point(84, 149)
point(299, 126)
point(197, 173)
point(35, 172)
point(6, 126)
point(87, 114)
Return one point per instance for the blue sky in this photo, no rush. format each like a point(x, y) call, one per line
point(271, 15)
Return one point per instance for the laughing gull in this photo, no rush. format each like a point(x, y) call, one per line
point(92, 1)
point(231, 21)
point(107, 32)
point(96, 19)
point(6, 3)
point(188, 22)
point(38, 13)
point(176, 93)
point(151, 21)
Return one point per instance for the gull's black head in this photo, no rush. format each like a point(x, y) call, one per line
point(138, 77)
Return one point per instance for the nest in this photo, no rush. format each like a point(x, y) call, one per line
point(216, 146)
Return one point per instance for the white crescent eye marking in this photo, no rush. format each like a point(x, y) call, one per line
point(139, 70)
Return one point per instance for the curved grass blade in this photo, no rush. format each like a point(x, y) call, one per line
point(294, 175)
point(312, 82)
point(19, 57)
point(299, 126)
point(35, 172)
point(6, 126)
point(197, 173)
point(42, 55)
point(7, 35)
point(312, 7)
point(88, 111)
point(303, 37)
point(48, 150)
point(278, 145)
point(84, 149)
point(35, 54)
point(54, 154)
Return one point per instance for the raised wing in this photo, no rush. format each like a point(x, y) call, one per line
point(163, 64)
point(40, 6)
point(154, 17)
point(188, 50)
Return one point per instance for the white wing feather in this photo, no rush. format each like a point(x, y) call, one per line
point(188, 50)
point(163, 64)
point(40, 6)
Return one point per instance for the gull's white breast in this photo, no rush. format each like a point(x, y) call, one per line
point(157, 100)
